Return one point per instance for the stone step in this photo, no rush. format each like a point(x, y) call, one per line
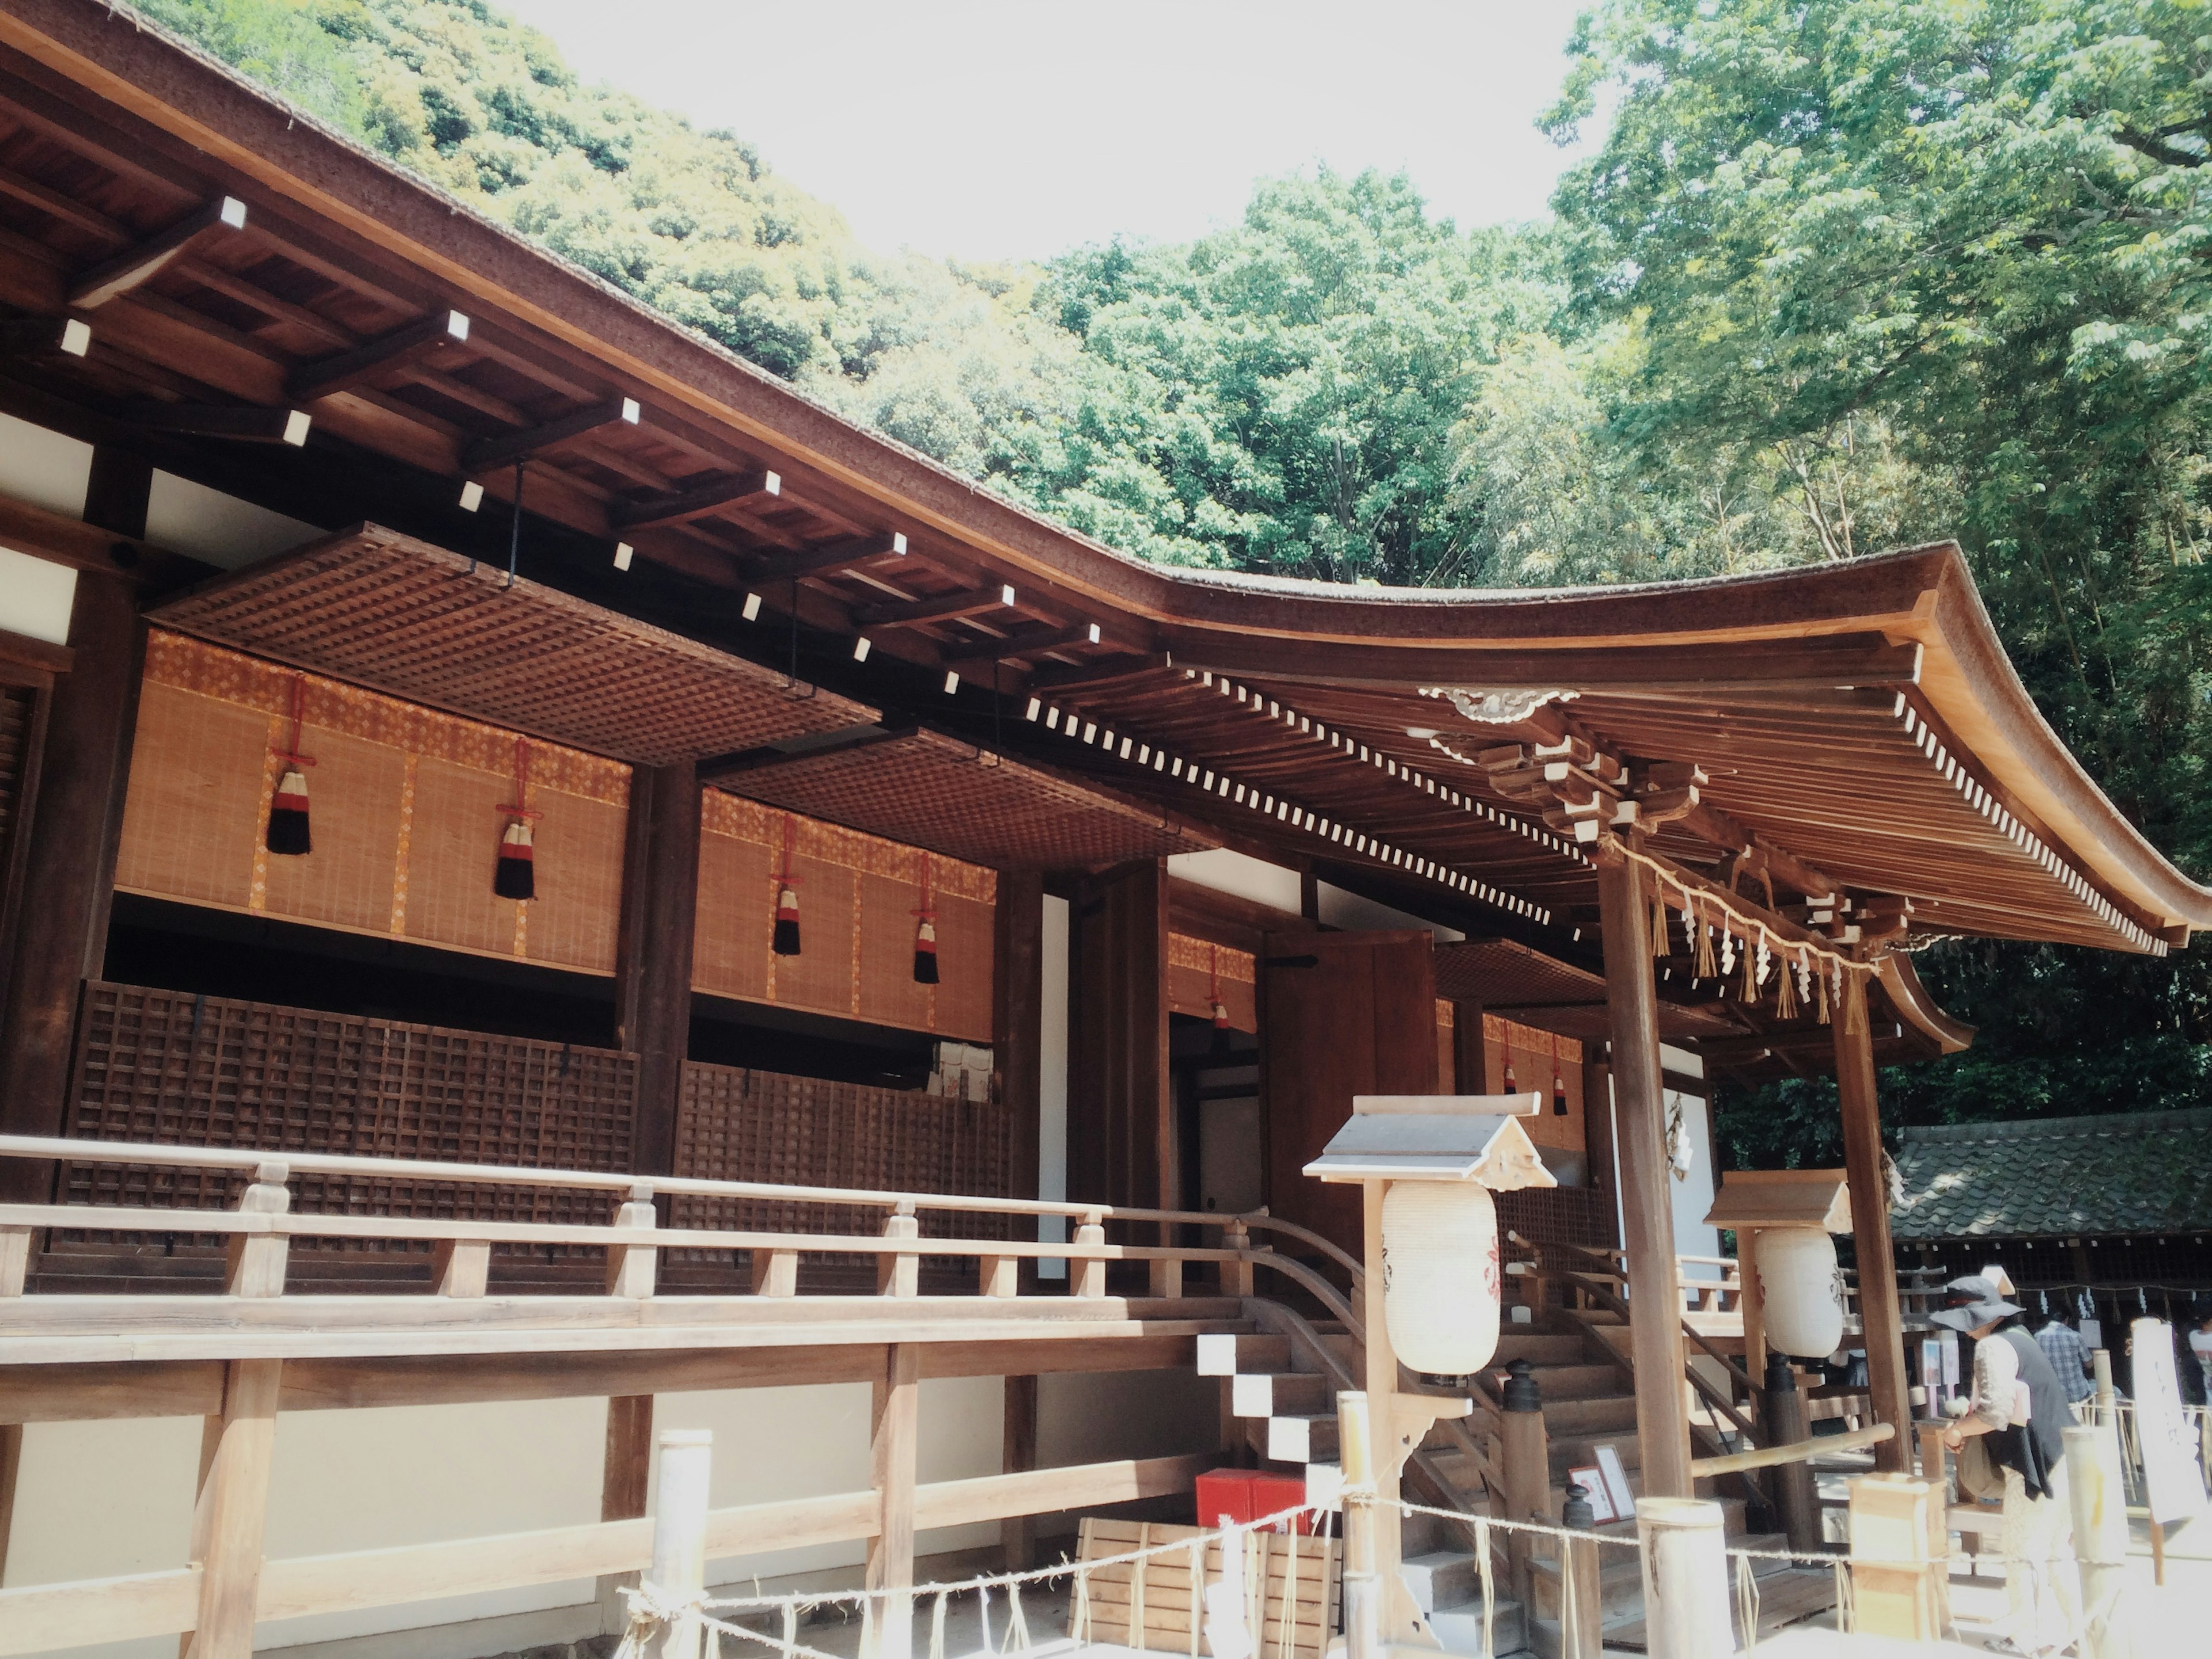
point(1280, 1394)
point(1441, 1577)
point(1620, 1581)
point(1459, 1629)
point(1571, 1419)
point(1226, 1354)
point(1296, 1439)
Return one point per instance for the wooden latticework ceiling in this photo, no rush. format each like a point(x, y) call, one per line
point(400, 617)
point(930, 791)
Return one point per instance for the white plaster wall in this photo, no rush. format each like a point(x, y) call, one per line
point(1227, 872)
point(43, 467)
point(1341, 910)
point(225, 532)
point(36, 596)
point(1051, 1083)
point(1693, 1193)
point(1086, 1418)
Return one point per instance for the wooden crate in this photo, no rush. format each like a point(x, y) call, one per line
point(1293, 1588)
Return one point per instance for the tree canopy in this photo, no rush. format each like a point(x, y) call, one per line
point(1839, 275)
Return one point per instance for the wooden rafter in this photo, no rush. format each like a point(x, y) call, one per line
point(723, 496)
point(134, 266)
point(512, 447)
point(415, 343)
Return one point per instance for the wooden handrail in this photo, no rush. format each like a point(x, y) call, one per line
point(1797, 1451)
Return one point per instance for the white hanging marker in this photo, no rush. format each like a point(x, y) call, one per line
point(1007, 594)
point(861, 651)
point(623, 551)
point(752, 607)
point(1036, 703)
point(1094, 633)
point(951, 684)
point(472, 496)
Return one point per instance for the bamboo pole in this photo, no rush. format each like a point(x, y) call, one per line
point(1363, 1637)
point(1685, 1585)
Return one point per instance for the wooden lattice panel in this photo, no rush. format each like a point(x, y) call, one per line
point(1559, 1215)
point(931, 791)
point(184, 1070)
point(734, 1124)
point(1292, 1589)
point(388, 612)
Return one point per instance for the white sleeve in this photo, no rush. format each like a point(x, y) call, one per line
point(1996, 1368)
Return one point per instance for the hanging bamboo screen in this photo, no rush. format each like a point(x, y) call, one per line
point(1198, 968)
point(857, 898)
point(741, 1124)
point(402, 802)
point(181, 1070)
point(1534, 1056)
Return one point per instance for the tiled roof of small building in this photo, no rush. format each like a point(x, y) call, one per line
point(2130, 1172)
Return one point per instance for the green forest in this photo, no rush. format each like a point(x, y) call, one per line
point(1838, 276)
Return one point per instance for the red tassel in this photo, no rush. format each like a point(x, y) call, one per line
point(1511, 1088)
point(786, 941)
point(286, 834)
point(1558, 1089)
point(925, 933)
point(515, 875)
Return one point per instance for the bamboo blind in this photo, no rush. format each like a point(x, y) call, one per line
point(1196, 967)
point(857, 897)
point(735, 1124)
point(1533, 1055)
point(404, 804)
point(193, 1071)
point(1293, 1588)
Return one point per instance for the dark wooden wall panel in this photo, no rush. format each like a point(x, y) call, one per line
point(1121, 1144)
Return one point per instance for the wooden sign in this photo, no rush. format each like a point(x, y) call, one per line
point(2171, 1478)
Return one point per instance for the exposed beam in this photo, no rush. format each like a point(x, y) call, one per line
point(829, 560)
point(1709, 823)
point(944, 607)
point(60, 205)
point(510, 446)
point(251, 425)
point(1032, 644)
point(133, 266)
point(1739, 1050)
point(706, 499)
point(412, 344)
point(40, 336)
point(1091, 677)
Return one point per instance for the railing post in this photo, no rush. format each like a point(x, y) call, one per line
point(1165, 1277)
point(1794, 1495)
point(1363, 1598)
point(895, 1428)
point(14, 1259)
point(899, 1273)
point(460, 1267)
point(1236, 1276)
point(775, 1272)
point(233, 1508)
point(1526, 1452)
point(685, 1462)
point(1578, 1567)
point(2101, 1540)
point(1686, 1582)
point(630, 1266)
point(1897, 1581)
point(254, 1264)
point(1090, 1271)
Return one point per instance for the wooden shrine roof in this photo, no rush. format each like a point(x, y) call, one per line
point(1857, 724)
point(934, 792)
point(398, 616)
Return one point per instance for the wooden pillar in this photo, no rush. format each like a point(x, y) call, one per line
point(622, 1482)
point(11, 1470)
point(1751, 1301)
point(1401, 1619)
point(652, 977)
point(1017, 1020)
point(1471, 1068)
point(894, 1425)
point(234, 1506)
point(68, 867)
point(1120, 1132)
point(1018, 1533)
point(1881, 1317)
point(1654, 1322)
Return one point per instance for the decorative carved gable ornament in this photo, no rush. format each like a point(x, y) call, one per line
point(1503, 707)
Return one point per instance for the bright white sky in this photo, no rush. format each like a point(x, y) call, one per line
point(995, 129)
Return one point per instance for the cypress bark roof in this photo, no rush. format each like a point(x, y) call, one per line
point(2129, 1172)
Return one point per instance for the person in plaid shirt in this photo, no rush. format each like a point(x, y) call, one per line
point(2068, 1355)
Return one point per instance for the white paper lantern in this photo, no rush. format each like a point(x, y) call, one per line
point(1800, 1288)
point(1440, 1275)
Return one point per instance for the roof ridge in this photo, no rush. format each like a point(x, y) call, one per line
point(2178, 1117)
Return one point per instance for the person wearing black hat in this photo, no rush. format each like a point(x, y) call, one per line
point(2021, 1405)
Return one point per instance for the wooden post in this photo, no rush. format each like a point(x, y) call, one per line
point(899, 1273)
point(1752, 1301)
point(622, 1481)
point(653, 974)
point(1018, 1533)
point(2101, 1540)
point(11, 1471)
point(1121, 1126)
point(1525, 1450)
point(1882, 1320)
point(1581, 1580)
point(1894, 1581)
point(1686, 1580)
point(1017, 1020)
point(234, 1507)
point(893, 1421)
point(630, 1267)
point(1786, 1425)
point(1655, 1296)
point(1362, 1613)
point(1471, 1064)
point(69, 865)
point(1399, 1617)
point(679, 1533)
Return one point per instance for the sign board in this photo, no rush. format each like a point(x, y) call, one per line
point(2175, 1483)
point(1616, 1481)
point(1592, 1482)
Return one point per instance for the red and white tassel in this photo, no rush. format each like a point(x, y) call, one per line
point(515, 875)
point(785, 941)
point(925, 933)
point(286, 834)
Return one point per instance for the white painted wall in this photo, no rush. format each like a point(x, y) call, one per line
point(43, 467)
point(1341, 910)
point(1692, 1197)
point(1247, 877)
point(189, 517)
point(36, 596)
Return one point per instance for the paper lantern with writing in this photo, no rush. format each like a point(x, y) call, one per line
point(1440, 1274)
point(1801, 1290)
